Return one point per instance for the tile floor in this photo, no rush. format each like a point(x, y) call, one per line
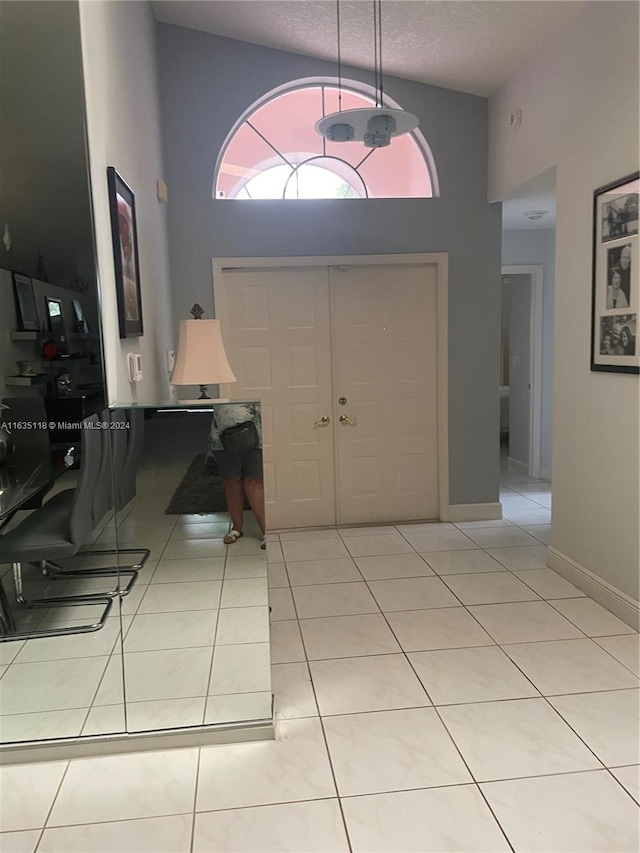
point(460, 699)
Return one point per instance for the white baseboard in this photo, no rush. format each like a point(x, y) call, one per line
point(609, 596)
point(516, 465)
point(545, 473)
point(474, 512)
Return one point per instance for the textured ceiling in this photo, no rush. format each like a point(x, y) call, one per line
point(467, 45)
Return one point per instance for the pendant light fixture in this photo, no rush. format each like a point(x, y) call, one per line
point(374, 126)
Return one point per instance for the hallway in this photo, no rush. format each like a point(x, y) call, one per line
point(437, 689)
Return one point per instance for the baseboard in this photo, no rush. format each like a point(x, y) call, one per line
point(545, 473)
point(609, 596)
point(474, 512)
point(516, 465)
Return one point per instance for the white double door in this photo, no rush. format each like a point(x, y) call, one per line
point(344, 362)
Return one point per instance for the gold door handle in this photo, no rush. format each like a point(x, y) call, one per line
point(345, 420)
point(324, 420)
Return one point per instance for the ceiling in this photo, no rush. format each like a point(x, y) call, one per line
point(468, 45)
point(535, 196)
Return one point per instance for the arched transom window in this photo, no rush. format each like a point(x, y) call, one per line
point(277, 153)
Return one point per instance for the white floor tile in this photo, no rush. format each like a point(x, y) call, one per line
point(168, 597)
point(591, 618)
point(244, 668)
point(47, 686)
point(442, 820)
point(534, 515)
point(492, 588)
point(291, 768)
point(281, 603)
point(208, 530)
point(165, 714)
point(238, 707)
point(194, 549)
point(308, 572)
point(393, 566)
point(583, 813)
point(105, 719)
point(437, 540)
point(247, 592)
point(540, 531)
point(274, 552)
point(9, 651)
point(548, 584)
point(372, 546)
point(166, 674)
point(347, 636)
point(243, 625)
point(93, 644)
point(453, 676)
point(608, 723)
point(524, 622)
point(334, 599)
point(315, 827)
point(313, 549)
point(40, 726)
point(27, 792)
point(354, 685)
point(412, 594)
point(629, 778)
point(522, 737)
point(474, 525)
point(19, 842)
point(118, 787)
point(449, 628)
point(293, 691)
point(521, 558)
point(277, 575)
point(462, 562)
point(392, 751)
point(286, 642)
point(570, 666)
point(626, 649)
point(185, 629)
point(374, 530)
point(249, 566)
point(305, 535)
point(501, 537)
point(150, 835)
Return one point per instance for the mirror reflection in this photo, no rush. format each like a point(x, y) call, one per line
point(196, 626)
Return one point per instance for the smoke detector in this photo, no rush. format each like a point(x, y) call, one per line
point(534, 215)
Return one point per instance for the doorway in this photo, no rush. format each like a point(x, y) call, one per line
point(348, 356)
point(521, 367)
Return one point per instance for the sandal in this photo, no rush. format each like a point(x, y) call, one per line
point(232, 536)
point(263, 544)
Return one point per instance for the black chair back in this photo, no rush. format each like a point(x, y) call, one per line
point(27, 410)
point(81, 515)
point(126, 485)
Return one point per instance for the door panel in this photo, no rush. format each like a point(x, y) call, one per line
point(277, 336)
point(520, 368)
point(384, 328)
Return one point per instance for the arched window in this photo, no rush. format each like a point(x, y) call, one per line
point(275, 152)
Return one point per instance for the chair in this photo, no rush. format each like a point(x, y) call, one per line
point(57, 531)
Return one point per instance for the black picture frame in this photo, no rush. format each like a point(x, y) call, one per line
point(27, 319)
point(615, 297)
point(125, 255)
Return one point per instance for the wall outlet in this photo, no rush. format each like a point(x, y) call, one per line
point(134, 360)
point(163, 195)
point(171, 359)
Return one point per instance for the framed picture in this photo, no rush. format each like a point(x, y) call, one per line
point(80, 326)
point(125, 255)
point(26, 311)
point(616, 283)
point(56, 323)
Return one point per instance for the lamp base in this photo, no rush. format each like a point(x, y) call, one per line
point(203, 393)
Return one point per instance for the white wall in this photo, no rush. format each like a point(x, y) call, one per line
point(119, 57)
point(580, 114)
point(537, 247)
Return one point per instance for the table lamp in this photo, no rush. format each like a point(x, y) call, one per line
point(201, 358)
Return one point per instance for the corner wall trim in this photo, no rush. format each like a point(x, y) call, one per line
point(609, 596)
point(473, 512)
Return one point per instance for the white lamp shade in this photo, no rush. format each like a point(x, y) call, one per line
point(201, 357)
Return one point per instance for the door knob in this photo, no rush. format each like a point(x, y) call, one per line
point(347, 421)
point(324, 420)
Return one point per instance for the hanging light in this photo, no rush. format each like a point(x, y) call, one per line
point(374, 126)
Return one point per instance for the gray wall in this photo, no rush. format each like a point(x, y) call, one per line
point(521, 248)
point(206, 82)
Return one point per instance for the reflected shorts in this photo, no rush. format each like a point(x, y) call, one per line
point(239, 466)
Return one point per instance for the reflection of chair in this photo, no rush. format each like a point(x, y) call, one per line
point(56, 531)
point(29, 411)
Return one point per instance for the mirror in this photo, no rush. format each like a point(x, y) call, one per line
point(196, 626)
point(60, 632)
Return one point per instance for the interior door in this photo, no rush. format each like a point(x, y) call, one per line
point(277, 336)
point(384, 368)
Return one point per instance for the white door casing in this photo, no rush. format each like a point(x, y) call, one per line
point(308, 480)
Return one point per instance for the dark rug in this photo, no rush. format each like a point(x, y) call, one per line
point(200, 491)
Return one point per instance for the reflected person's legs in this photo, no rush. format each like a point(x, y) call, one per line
point(254, 490)
point(234, 496)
